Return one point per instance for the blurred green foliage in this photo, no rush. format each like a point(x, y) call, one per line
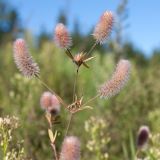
point(97, 129)
point(136, 105)
point(10, 146)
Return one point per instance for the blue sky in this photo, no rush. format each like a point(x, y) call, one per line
point(144, 17)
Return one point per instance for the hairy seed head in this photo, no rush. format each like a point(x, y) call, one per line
point(50, 103)
point(24, 60)
point(45, 100)
point(70, 149)
point(103, 27)
point(62, 37)
point(143, 135)
point(118, 80)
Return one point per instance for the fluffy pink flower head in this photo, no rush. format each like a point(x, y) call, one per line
point(103, 27)
point(70, 149)
point(118, 80)
point(50, 103)
point(24, 60)
point(62, 37)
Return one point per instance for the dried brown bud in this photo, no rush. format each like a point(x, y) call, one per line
point(143, 135)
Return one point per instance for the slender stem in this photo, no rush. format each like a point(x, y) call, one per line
point(74, 92)
point(5, 143)
point(75, 84)
point(52, 143)
point(45, 85)
point(90, 100)
point(92, 48)
point(69, 123)
point(136, 155)
point(69, 54)
point(54, 150)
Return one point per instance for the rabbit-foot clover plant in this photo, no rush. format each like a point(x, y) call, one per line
point(51, 101)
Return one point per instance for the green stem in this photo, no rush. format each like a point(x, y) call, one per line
point(92, 48)
point(53, 143)
point(5, 143)
point(69, 54)
point(54, 150)
point(90, 100)
point(75, 84)
point(69, 123)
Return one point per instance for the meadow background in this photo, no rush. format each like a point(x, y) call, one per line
point(138, 104)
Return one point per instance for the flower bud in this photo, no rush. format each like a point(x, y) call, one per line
point(118, 80)
point(50, 103)
point(24, 60)
point(62, 37)
point(70, 149)
point(143, 135)
point(103, 27)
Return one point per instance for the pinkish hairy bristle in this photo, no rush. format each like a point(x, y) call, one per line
point(62, 37)
point(24, 60)
point(50, 103)
point(118, 80)
point(70, 149)
point(103, 27)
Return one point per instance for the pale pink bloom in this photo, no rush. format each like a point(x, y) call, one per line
point(24, 60)
point(70, 149)
point(46, 100)
point(62, 37)
point(50, 103)
point(55, 107)
point(118, 80)
point(103, 27)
